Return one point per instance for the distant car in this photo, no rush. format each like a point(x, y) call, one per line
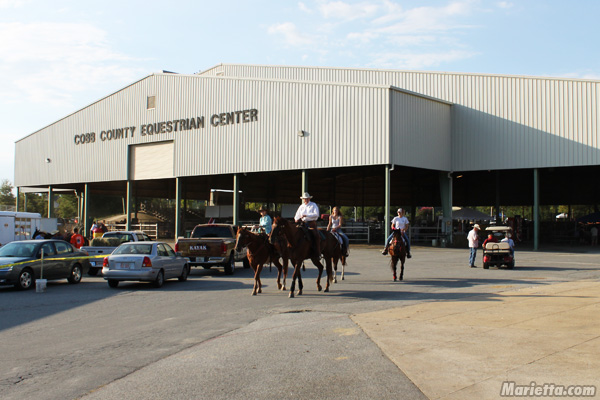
point(145, 262)
point(21, 262)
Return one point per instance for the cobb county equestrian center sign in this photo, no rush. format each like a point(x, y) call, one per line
point(176, 125)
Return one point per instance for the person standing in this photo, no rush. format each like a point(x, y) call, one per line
point(400, 223)
point(92, 229)
point(308, 212)
point(473, 239)
point(76, 239)
point(265, 223)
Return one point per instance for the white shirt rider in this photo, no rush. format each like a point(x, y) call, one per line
point(308, 211)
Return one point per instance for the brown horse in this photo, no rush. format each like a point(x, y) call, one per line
point(260, 252)
point(301, 249)
point(338, 256)
point(397, 252)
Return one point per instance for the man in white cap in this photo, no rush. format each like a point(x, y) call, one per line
point(473, 239)
point(308, 212)
point(399, 223)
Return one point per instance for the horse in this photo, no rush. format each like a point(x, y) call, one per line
point(338, 256)
point(260, 252)
point(301, 249)
point(397, 252)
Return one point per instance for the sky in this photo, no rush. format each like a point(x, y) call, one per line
point(59, 56)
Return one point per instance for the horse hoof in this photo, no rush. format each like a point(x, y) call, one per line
point(326, 290)
point(342, 278)
point(319, 288)
point(299, 292)
point(283, 288)
point(291, 296)
point(279, 286)
point(253, 293)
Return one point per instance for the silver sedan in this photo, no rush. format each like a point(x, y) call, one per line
point(145, 262)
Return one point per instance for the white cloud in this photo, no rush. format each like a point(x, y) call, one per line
point(290, 34)
point(505, 4)
point(304, 8)
point(13, 3)
point(51, 62)
point(346, 11)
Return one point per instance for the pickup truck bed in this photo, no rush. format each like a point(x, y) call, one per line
point(212, 245)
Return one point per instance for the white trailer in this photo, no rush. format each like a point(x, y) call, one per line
point(18, 225)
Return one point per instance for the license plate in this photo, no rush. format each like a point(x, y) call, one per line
point(125, 265)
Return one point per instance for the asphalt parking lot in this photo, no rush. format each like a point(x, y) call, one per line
point(208, 338)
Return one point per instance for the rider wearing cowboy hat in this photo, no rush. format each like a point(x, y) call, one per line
point(308, 212)
point(265, 222)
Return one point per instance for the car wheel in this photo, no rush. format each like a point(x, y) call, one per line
point(113, 283)
point(486, 266)
point(93, 271)
point(76, 274)
point(230, 266)
point(184, 273)
point(25, 280)
point(160, 279)
point(510, 265)
point(246, 262)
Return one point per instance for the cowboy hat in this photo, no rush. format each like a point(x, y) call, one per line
point(306, 196)
point(476, 226)
point(263, 208)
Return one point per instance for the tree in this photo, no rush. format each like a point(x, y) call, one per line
point(7, 198)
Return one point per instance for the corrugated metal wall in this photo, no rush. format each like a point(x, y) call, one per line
point(420, 132)
point(345, 125)
point(500, 122)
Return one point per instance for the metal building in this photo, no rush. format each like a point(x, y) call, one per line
point(349, 136)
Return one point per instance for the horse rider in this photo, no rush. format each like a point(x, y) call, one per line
point(308, 212)
point(399, 223)
point(265, 223)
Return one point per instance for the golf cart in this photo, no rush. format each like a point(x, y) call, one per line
point(499, 253)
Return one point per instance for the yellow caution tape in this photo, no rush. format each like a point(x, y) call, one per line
point(45, 259)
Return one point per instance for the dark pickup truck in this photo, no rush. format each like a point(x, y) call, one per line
point(212, 245)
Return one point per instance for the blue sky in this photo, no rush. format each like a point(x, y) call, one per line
point(59, 56)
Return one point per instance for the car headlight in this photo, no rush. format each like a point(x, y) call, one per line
point(6, 269)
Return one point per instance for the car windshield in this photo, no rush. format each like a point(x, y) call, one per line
point(212, 231)
point(131, 248)
point(123, 237)
point(18, 249)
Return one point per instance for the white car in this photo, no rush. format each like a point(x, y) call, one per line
point(145, 262)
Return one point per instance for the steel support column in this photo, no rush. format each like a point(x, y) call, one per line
point(86, 210)
point(386, 210)
point(50, 202)
point(536, 209)
point(128, 203)
point(178, 191)
point(236, 198)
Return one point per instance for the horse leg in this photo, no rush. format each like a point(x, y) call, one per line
point(343, 266)
point(319, 266)
point(402, 268)
point(393, 264)
point(260, 267)
point(329, 270)
point(335, 262)
point(295, 276)
point(255, 269)
point(279, 268)
point(285, 271)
